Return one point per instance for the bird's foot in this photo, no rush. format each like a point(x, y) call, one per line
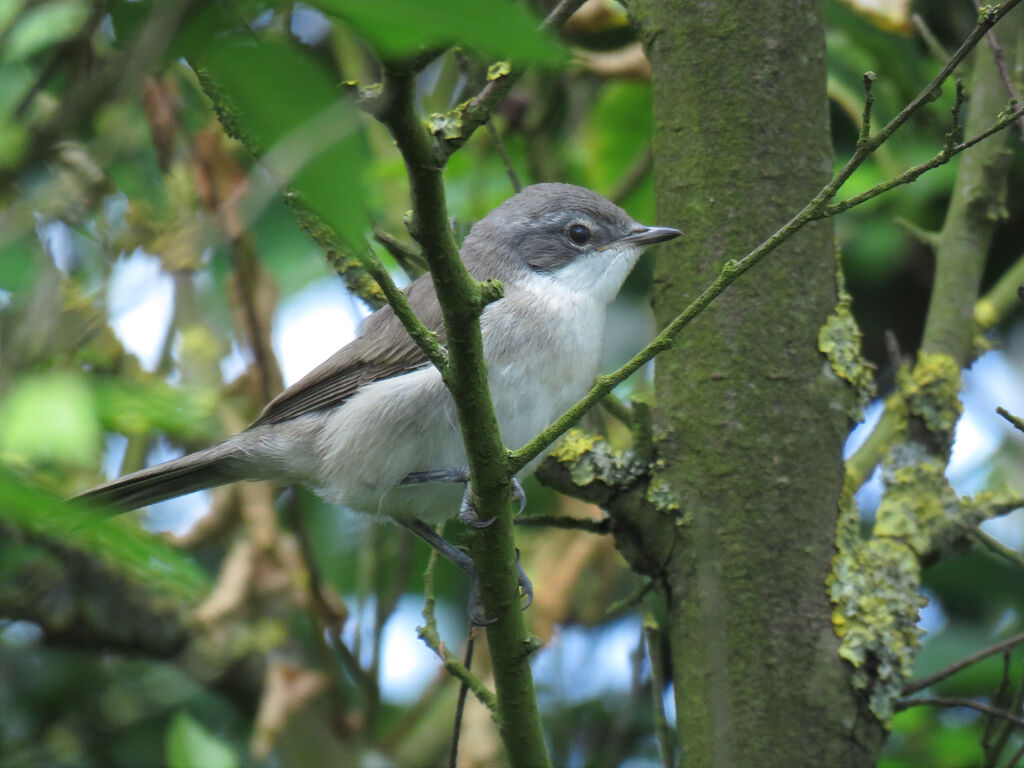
point(477, 615)
point(467, 510)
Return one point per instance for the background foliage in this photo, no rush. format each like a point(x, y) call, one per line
point(112, 154)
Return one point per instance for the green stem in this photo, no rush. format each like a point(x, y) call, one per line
point(462, 300)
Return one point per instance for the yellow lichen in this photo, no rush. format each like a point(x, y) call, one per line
point(839, 339)
point(985, 313)
point(498, 69)
point(874, 588)
point(660, 494)
point(447, 125)
point(573, 444)
point(931, 390)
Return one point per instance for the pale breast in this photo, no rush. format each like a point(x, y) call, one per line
point(542, 357)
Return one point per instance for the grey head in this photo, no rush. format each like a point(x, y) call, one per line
point(547, 227)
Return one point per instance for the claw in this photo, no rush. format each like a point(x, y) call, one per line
point(467, 511)
point(518, 494)
point(524, 583)
point(475, 608)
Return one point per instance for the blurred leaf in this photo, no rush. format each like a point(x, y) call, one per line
point(50, 418)
point(284, 105)
point(190, 745)
point(496, 27)
point(18, 265)
point(116, 541)
point(139, 408)
point(44, 25)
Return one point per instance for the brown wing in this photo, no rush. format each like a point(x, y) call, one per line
point(382, 351)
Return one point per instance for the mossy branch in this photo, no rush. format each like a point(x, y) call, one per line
point(912, 174)
point(425, 339)
point(816, 208)
point(478, 110)
point(428, 633)
point(462, 300)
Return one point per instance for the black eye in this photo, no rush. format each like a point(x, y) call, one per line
point(579, 234)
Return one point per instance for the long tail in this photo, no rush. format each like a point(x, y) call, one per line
point(214, 466)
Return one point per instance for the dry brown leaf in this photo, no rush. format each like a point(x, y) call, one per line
point(287, 689)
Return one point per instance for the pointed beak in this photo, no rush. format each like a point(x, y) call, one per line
point(649, 235)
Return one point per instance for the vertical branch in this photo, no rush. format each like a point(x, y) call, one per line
point(977, 205)
point(462, 300)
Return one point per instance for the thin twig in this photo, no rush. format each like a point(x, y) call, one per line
point(499, 145)
point(869, 100)
point(635, 174)
point(425, 338)
point(911, 174)
point(939, 701)
point(407, 257)
point(561, 13)
point(1004, 70)
point(429, 635)
point(460, 705)
point(566, 522)
point(989, 738)
point(661, 726)
point(1017, 422)
point(478, 110)
point(931, 42)
point(322, 621)
point(618, 409)
point(997, 547)
point(942, 674)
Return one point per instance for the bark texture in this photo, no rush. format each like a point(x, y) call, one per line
point(750, 420)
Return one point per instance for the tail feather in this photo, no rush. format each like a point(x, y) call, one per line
point(204, 469)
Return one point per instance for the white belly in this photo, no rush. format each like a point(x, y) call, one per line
point(407, 423)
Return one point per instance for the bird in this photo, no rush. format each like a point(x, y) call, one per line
point(373, 428)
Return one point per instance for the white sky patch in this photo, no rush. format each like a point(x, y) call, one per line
point(990, 382)
point(580, 663)
point(407, 665)
point(140, 297)
point(312, 325)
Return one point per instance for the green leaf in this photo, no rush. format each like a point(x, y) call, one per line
point(119, 542)
point(42, 26)
point(50, 418)
point(284, 105)
point(190, 745)
point(496, 27)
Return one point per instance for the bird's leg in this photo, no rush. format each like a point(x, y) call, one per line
point(464, 562)
point(467, 511)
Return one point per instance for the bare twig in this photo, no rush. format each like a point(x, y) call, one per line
point(428, 634)
point(661, 726)
point(946, 154)
point(997, 547)
point(566, 522)
point(408, 258)
point(499, 145)
point(931, 42)
point(938, 701)
point(1004, 70)
point(323, 619)
point(561, 13)
point(942, 674)
point(425, 338)
point(635, 174)
point(1017, 423)
point(478, 110)
point(460, 706)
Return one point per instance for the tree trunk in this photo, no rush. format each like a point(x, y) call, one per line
point(750, 421)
